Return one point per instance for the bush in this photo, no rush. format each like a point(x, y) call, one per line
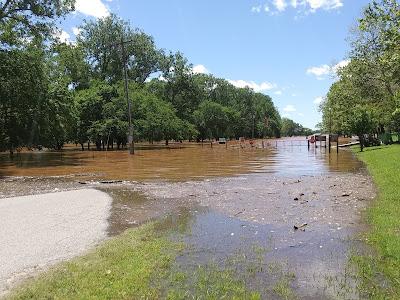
point(386, 138)
point(370, 141)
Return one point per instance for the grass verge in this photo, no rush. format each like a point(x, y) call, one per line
point(380, 272)
point(138, 264)
point(121, 268)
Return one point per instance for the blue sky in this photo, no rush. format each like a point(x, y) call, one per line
point(288, 49)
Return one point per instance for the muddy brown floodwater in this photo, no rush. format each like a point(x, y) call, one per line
point(235, 198)
point(176, 163)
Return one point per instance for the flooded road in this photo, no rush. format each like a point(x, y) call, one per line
point(179, 162)
point(235, 199)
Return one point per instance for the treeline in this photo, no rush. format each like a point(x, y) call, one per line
point(365, 100)
point(290, 128)
point(54, 92)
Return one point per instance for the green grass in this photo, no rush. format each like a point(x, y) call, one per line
point(282, 288)
point(139, 264)
point(121, 268)
point(210, 282)
point(380, 271)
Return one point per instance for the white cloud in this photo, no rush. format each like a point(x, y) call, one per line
point(318, 100)
point(200, 69)
point(303, 7)
point(280, 5)
point(263, 86)
point(94, 8)
point(278, 93)
point(76, 30)
point(289, 108)
point(321, 72)
point(324, 4)
point(256, 9)
point(63, 36)
point(340, 65)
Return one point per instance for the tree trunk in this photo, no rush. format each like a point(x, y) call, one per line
point(83, 147)
point(361, 138)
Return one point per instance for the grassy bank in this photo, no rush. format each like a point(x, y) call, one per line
point(121, 268)
point(139, 264)
point(380, 272)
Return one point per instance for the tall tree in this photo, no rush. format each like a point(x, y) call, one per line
point(24, 19)
point(103, 40)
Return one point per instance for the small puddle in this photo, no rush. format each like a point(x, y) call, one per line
point(132, 208)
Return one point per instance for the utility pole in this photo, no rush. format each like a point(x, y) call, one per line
point(131, 144)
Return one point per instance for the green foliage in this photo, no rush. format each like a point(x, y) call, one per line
point(396, 120)
point(371, 79)
point(156, 119)
point(101, 40)
point(360, 122)
point(290, 128)
point(22, 19)
point(213, 119)
point(40, 113)
point(75, 92)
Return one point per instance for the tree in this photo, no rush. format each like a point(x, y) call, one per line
point(213, 120)
point(360, 123)
point(156, 119)
point(90, 108)
point(180, 88)
point(101, 40)
point(69, 61)
point(40, 113)
point(22, 19)
point(371, 79)
point(290, 128)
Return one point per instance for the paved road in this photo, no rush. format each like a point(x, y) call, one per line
point(40, 230)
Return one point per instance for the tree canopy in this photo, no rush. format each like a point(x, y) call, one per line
point(54, 92)
point(369, 86)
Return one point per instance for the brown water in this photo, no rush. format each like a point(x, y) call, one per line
point(186, 162)
point(230, 200)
